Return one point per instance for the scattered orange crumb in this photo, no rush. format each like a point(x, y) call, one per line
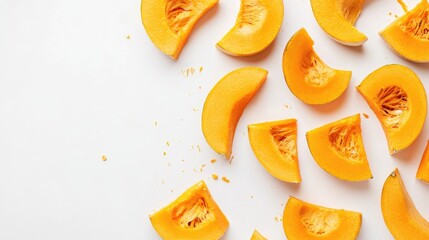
point(195, 170)
point(128, 36)
point(164, 153)
point(188, 72)
point(225, 179)
point(156, 124)
point(201, 69)
point(396, 16)
point(168, 143)
point(215, 176)
point(202, 167)
point(287, 106)
point(390, 13)
point(213, 161)
point(198, 147)
point(195, 109)
point(199, 87)
point(104, 158)
point(276, 218)
point(365, 115)
point(251, 196)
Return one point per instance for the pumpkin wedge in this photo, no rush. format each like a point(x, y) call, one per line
point(169, 23)
point(274, 145)
point(257, 236)
point(423, 171)
point(398, 99)
point(307, 76)
point(192, 216)
point(338, 149)
point(303, 220)
point(256, 27)
point(338, 17)
point(408, 35)
point(225, 103)
point(399, 213)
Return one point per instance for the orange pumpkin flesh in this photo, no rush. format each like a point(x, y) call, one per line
point(192, 216)
point(303, 220)
point(307, 76)
point(257, 236)
point(338, 149)
point(337, 18)
point(225, 103)
point(423, 171)
point(398, 99)
point(169, 23)
point(256, 27)
point(274, 145)
point(408, 35)
point(399, 212)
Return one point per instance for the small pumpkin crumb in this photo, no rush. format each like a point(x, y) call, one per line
point(251, 196)
point(225, 179)
point(213, 161)
point(215, 176)
point(104, 158)
point(156, 124)
point(164, 153)
point(128, 36)
point(396, 16)
point(365, 115)
point(167, 143)
point(276, 218)
point(202, 167)
point(390, 13)
point(201, 69)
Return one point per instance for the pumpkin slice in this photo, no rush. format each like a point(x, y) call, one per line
point(398, 98)
point(225, 103)
point(274, 145)
point(257, 236)
point(399, 213)
point(169, 23)
point(408, 35)
point(192, 216)
point(303, 220)
point(337, 18)
point(423, 171)
point(256, 27)
point(338, 149)
point(307, 76)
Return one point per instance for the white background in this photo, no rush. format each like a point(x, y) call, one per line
point(74, 88)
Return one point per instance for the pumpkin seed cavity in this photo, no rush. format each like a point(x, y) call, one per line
point(285, 137)
point(319, 222)
point(417, 25)
point(344, 139)
point(393, 105)
point(179, 13)
point(252, 15)
point(350, 9)
point(317, 73)
point(190, 214)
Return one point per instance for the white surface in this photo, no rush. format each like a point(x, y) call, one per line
point(74, 88)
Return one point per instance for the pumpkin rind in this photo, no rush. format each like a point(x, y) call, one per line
point(274, 145)
point(408, 35)
point(169, 23)
point(307, 76)
point(337, 18)
point(193, 216)
point(398, 99)
point(423, 170)
point(399, 213)
point(225, 103)
point(338, 149)
point(306, 221)
point(256, 27)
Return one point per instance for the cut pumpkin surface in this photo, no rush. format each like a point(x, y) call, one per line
point(225, 103)
point(256, 27)
point(307, 76)
point(399, 213)
point(423, 170)
point(408, 35)
point(306, 221)
point(257, 236)
point(338, 149)
point(193, 216)
point(169, 23)
point(398, 99)
point(338, 17)
point(274, 145)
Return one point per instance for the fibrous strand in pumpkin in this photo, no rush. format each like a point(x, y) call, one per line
point(192, 213)
point(344, 139)
point(350, 9)
point(417, 25)
point(179, 13)
point(252, 13)
point(319, 222)
point(316, 72)
point(393, 104)
point(285, 137)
